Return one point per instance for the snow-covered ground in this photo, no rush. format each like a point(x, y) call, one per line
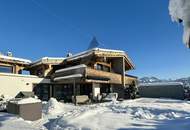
point(138, 114)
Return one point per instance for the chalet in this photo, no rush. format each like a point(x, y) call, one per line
point(91, 74)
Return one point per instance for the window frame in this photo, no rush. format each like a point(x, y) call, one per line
point(101, 66)
point(11, 68)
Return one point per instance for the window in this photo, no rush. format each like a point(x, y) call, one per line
point(39, 72)
point(63, 92)
point(102, 67)
point(106, 68)
point(42, 91)
point(25, 72)
point(99, 67)
point(6, 69)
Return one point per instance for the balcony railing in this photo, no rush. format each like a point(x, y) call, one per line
point(93, 75)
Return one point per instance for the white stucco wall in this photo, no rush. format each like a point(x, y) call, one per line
point(12, 84)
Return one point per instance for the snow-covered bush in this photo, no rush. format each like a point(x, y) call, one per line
point(3, 101)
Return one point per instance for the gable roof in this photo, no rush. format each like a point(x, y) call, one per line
point(102, 52)
point(93, 51)
point(89, 52)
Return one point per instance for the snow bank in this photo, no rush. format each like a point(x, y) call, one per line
point(53, 107)
point(12, 122)
point(138, 114)
point(131, 114)
point(180, 12)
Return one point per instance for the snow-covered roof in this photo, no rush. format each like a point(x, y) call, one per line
point(52, 60)
point(90, 51)
point(14, 59)
point(68, 77)
point(58, 60)
point(160, 84)
point(108, 50)
point(26, 101)
point(71, 68)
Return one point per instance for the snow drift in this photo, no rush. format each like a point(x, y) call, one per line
point(180, 12)
point(53, 107)
point(162, 114)
point(138, 114)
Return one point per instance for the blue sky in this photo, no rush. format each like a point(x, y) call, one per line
point(36, 28)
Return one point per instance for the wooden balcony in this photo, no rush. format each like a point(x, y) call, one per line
point(113, 77)
point(93, 75)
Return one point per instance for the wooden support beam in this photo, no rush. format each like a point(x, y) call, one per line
point(123, 74)
point(74, 91)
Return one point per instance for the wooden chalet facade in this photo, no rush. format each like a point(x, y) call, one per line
point(92, 73)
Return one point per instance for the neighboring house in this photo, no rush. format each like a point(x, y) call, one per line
point(9, 64)
point(173, 90)
point(11, 78)
point(92, 73)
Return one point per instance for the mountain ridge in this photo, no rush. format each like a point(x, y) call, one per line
point(152, 79)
